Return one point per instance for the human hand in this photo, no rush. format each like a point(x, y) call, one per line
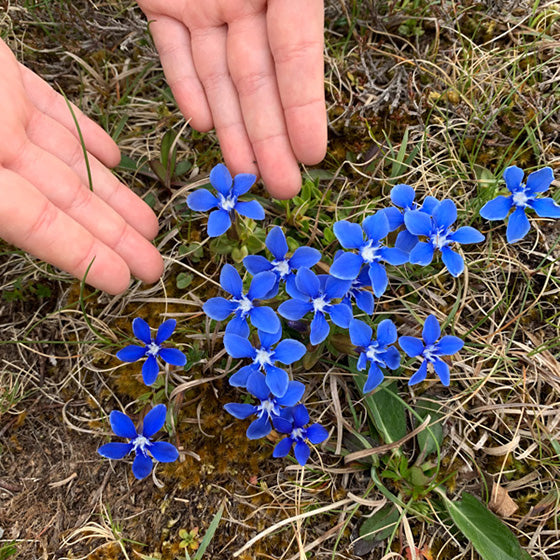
point(46, 206)
point(253, 70)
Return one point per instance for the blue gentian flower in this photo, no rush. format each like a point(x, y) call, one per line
point(439, 236)
point(292, 421)
point(226, 200)
point(359, 291)
point(269, 406)
point(242, 305)
point(141, 443)
point(370, 251)
point(430, 349)
point(264, 357)
point(377, 352)
point(522, 196)
point(281, 266)
point(315, 294)
point(152, 348)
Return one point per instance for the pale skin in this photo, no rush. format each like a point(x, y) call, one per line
point(251, 69)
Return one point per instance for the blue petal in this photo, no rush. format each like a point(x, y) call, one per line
point(276, 243)
point(335, 287)
point(251, 209)
point(141, 466)
point(449, 345)
point(307, 282)
point(154, 420)
point(420, 375)
point(201, 200)
point(269, 339)
point(301, 452)
point(518, 226)
point(115, 450)
point(431, 330)
point(240, 410)
point(453, 261)
point(374, 379)
point(418, 223)
point(122, 425)
point(141, 330)
point(240, 377)
point(362, 361)
point(319, 328)
point(422, 254)
point(429, 205)
point(442, 370)
point(256, 385)
point(513, 176)
point(445, 213)
point(220, 178)
point(395, 217)
point(360, 333)
point(294, 309)
point(386, 332)
point(347, 266)
point(341, 315)
point(540, 180)
point(466, 234)
point(402, 195)
point(277, 380)
point(289, 351)
point(256, 263)
point(231, 281)
point(392, 358)
point(350, 235)
point(378, 277)
point(317, 434)
point(282, 448)
point(292, 290)
point(173, 356)
point(164, 452)
point(131, 353)
point(259, 428)
point(242, 183)
point(364, 301)
point(376, 226)
point(150, 370)
point(218, 308)
point(238, 347)
point(304, 257)
point(394, 256)
point(545, 207)
point(411, 345)
point(261, 284)
point(497, 209)
point(165, 330)
point(406, 241)
point(218, 223)
point(293, 394)
point(265, 319)
point(239, 326)
point(301, 416)
point(282, 424)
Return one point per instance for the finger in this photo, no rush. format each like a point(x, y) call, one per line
point(70, 196)
point(209, 55)
point(252, 70)
point(173, 44)
point(52, 137)
point(298, 57)
point(48, 101)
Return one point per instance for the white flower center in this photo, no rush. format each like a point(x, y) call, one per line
point(439, 239)
point(244, 305)
point(152, 349)
point(372, 351)
point(369, 253)
point(297, 433)
point(268, 407)
point(281, 267)
point(430, 353)
point(140, 442)
point(320, 304)
point(520, 199)
point(263, 357)
point(228, 203)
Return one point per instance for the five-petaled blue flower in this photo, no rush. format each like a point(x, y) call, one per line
point(359, 290)
point(292, 421)
point(522, 196)
point(439, 236)
point(281, 266)
point(140, 443)
point(269, 406)
point(315, 294)
point(378, 352)
point(430, 350)
point(264, 357)
point(226, 200)
point(242, 305)
point(370, 251)
point(152, 348)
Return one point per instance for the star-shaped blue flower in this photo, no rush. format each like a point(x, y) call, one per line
point(264, 356)
point(226, 200)
point(269, 406)
point(281, 266)
point(293, 421)
point(370, 251)
point(429, 349)
point(522, 196)
point(241, 305)
point(152, 349)
point(141, 443)
point(439, 236)
point(359, 290)
point(315, 294)
point(378, 352)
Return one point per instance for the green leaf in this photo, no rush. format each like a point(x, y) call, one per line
point(209, 534)
point(381, 524)
point(183, 280)
point(489, 536)
point(431, 437)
